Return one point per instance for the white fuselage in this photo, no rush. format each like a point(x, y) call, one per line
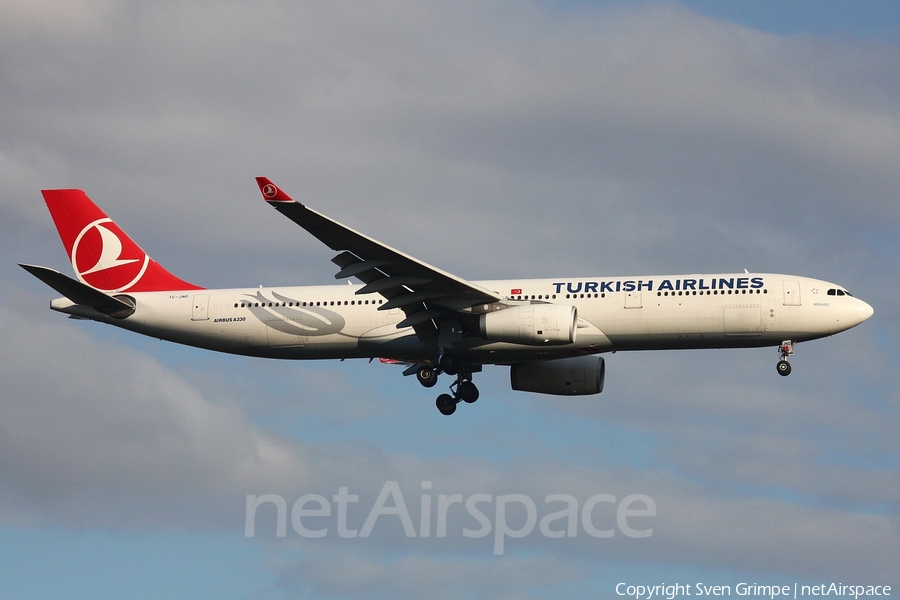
point(614, 313)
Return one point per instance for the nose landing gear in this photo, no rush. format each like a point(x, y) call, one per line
point(786, 349)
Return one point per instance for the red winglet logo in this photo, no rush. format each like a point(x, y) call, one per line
point(271, 192)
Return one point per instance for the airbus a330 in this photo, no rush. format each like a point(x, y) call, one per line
point(551, 333)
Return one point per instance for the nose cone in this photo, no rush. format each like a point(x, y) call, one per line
point(864, 311)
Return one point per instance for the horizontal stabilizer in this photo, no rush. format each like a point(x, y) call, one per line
point(80, 293)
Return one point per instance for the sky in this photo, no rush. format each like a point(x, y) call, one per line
point(493, 140)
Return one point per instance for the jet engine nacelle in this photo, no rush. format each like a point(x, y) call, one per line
point(578, 376)
point(531, 324)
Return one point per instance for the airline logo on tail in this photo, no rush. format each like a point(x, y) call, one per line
point(103, 256)
point(107, 271)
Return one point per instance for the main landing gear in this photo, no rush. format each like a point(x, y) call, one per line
point(463, 389)
point(786, 349)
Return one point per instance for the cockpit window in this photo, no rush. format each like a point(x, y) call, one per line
point(837, 292)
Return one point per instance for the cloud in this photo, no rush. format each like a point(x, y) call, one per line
point(655, 121)
point(76, 19)
point(109, 437)
point(721, 417)
point(100, 434)
point(343, 574)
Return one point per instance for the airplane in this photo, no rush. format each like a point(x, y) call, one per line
point(550, 332)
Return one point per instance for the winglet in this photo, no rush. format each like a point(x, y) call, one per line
point(271, 192)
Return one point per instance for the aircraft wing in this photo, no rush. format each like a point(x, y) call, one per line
point(423, 292)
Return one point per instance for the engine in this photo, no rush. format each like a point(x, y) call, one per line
point(531, 324)
point(578, 376)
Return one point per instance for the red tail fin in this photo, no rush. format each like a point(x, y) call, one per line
point(103, 255)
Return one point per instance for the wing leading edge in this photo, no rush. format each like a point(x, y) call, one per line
point(425, 293)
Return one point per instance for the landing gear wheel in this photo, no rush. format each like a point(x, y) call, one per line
point(449, 364)
point(786, 349)
point(446, 404)
point(426, 376)
point(467, 392)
